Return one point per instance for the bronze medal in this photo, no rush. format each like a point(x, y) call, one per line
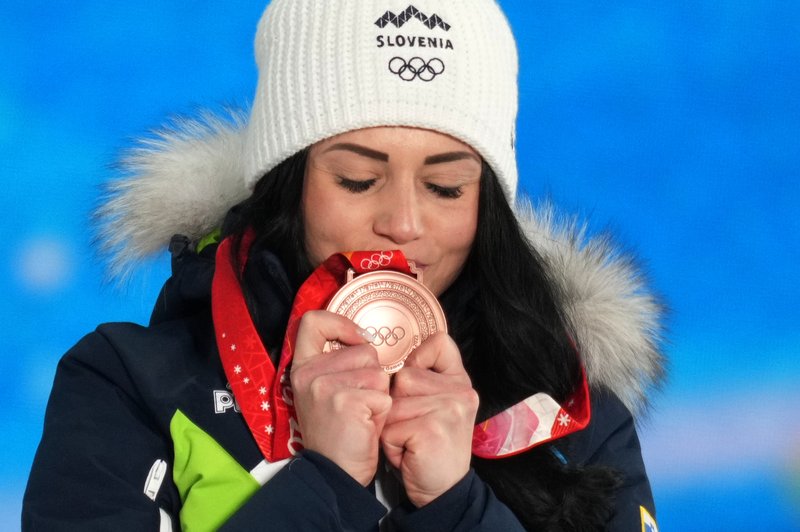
point(396, 308)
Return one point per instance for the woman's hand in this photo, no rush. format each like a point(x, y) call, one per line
point(342, 397)
point(428, 434)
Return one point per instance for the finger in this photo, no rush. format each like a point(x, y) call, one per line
point(345, 359)
point(417, 381)
point(374, 406)
point(405, 408)
point(451, 408)
point(341, 365)
point(351, 405)
point(393, 442)
point(380, 409)
point(438, 353)
point(378, 403)
point(357, 404)
point(392, 451)
point(396, 438)
point(320, 326)
point(326, 385)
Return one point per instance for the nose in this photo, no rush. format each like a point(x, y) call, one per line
point(399, 216)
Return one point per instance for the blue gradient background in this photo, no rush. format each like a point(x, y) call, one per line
point(676, 125)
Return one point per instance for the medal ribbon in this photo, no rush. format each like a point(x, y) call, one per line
point(533, 421)
point(263, 393)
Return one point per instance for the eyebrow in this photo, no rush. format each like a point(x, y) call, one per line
point(384, 157)
point(360, 150)
point(451, 156)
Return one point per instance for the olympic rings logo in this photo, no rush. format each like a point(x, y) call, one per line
point(387, 336)
point(416, 67)
point(377, 260)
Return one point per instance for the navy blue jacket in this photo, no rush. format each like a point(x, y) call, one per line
point(141, 432)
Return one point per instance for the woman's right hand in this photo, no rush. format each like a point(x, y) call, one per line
point(341, 397)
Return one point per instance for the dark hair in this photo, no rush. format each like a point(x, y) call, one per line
point(502, 311)
point(273, 211)
point(504, 314)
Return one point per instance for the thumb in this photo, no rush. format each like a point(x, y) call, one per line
point(320, 326)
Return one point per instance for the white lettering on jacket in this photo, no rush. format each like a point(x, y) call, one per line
point(224, 401)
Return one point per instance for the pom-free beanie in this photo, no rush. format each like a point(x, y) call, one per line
point(331, 66)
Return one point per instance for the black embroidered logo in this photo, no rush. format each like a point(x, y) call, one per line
point(409, 13)
point(424, 69)
point(416, 68)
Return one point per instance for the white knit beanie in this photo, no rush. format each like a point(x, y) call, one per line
point(331, 66)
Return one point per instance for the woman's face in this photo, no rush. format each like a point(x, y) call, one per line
point(394, 188)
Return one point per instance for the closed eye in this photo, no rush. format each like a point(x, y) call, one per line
point(354, 185)
point(445, 192)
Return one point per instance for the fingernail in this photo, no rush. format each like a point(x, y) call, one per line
point(365, 334)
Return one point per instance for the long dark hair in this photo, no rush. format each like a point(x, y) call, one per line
point(273, 211)
point(502, 311)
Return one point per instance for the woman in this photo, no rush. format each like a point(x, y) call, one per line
point(386, 128)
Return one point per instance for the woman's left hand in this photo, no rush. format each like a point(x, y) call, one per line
point(428, 433)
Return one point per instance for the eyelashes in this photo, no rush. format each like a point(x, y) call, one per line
point(354, 185)
point(358, 186)
point(444, 192)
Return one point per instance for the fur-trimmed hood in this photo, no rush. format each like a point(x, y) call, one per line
point(187, 176)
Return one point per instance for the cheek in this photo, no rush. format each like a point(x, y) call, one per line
point(328, 223)
point(462, 227)
point(456, 236)
point(314, 241)
point(316, 224)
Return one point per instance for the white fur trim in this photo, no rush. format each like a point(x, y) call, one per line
point(182, 180)
point(614, 315)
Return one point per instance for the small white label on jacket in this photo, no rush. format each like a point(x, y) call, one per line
point(155, 478)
